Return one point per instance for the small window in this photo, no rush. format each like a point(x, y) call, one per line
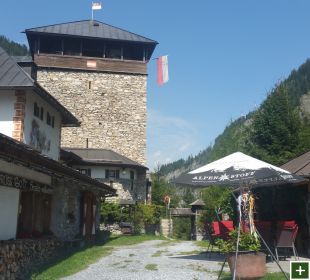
point(42, 114)
point(36, 110)
point(112, 174)
point(53, 122)
point(85, 171)
point(48, 118)
point(89, 84)
point(132, 175)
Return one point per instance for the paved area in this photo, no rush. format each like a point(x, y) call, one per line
point(156, 260)
point(160, 260)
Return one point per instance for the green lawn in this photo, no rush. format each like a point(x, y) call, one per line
point(81, 259)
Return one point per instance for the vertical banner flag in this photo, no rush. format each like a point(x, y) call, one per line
point(96, 6)
point(162, 70)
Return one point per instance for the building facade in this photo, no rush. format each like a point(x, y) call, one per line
point(99, 72)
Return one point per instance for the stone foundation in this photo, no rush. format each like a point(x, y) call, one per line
point(19, 257)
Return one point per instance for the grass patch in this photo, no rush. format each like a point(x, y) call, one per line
point(159, 253)
point(131, 255)
point(187, 253)
point(78, 260)
point(151, 266)
point(268, 276)
point(131, 240)
point(203, 243)
point(168, 242)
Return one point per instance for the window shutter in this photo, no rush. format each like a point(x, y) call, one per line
point(107, 173)
point(117, 174)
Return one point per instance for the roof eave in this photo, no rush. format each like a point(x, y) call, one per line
point(68, 120)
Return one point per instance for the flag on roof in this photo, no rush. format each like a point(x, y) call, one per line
point(162, 70)
point(96, 5)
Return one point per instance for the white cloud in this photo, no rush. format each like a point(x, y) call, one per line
point(169, 138)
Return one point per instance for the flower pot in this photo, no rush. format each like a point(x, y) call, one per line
point(250, 265)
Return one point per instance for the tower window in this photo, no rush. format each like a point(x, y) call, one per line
point(89, 85)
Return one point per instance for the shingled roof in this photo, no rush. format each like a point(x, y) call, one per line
point(299, 165)
point(97, 157)
point(90, 29)
point(27, 156)
point(12, 76)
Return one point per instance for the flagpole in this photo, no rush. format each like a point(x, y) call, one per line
point(92, 11)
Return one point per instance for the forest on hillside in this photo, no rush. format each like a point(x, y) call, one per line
point(13, 48)
point(276, 132)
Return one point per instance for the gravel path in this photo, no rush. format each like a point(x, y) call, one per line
point(154, 260)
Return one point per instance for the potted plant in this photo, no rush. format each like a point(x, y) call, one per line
point(251, 263)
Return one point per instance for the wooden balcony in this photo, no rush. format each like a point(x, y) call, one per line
point(91, 63)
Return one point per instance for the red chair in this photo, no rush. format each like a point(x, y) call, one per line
point(225, 228)
point(217, 230)
point(289, 224)
point(286, 238)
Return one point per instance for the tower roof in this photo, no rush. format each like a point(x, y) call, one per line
point(90, 29)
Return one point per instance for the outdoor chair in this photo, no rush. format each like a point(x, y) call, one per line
point(212, 233)
point(285, 239)
point(225, 227)
point(264, 229)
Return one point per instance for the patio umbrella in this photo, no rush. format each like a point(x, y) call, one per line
point(238, 169)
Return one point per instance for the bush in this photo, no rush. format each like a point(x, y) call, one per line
point(113, 213)
point(145, 214)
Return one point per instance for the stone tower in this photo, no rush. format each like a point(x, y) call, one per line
point(99, 72)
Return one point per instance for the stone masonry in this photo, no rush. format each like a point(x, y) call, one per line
point(110, 106)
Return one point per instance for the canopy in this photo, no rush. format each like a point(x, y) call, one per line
point(238, 169)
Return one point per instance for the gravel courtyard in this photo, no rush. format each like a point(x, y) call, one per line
point(156, 260)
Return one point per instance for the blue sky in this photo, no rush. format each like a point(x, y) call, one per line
point(224, 56)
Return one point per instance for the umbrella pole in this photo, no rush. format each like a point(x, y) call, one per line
point(238, 238)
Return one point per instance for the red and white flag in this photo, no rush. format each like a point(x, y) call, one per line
point(96, 6)
point(162, 70)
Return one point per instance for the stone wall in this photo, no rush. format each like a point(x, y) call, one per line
point(111, 108)
point(65, 220)
point(19, 257)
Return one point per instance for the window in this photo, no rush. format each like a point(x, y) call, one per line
point(72, 46)
point(85, 171)
point(133, 52)
point(113, 51)
point(36, 110)
point(53, 121)
point(111, 174)
point(48, 118)
point(92, 48)
point(50, 44)
point(132, 177)
point(42, 113)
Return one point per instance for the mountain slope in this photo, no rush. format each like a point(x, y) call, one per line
point(276, 132)
point(13, 48)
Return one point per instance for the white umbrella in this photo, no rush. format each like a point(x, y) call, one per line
point(237, 169)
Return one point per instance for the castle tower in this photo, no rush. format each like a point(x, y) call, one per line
point(98, 72)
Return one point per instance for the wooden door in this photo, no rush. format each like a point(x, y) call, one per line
point(88, 214)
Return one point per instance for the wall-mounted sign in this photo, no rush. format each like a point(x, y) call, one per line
point(22, 183)
point(91, 63)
